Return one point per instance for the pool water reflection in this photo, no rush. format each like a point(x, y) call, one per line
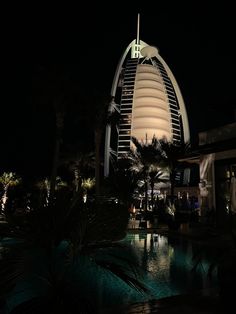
point(169, 265)
point(166, 262)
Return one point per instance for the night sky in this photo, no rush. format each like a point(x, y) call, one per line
point(196, 41)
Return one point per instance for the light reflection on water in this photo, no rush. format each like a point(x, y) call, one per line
point(169, 264)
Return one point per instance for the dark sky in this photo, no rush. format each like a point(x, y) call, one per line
point(196, 40)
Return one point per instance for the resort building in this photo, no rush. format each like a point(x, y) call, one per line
point(217, 170)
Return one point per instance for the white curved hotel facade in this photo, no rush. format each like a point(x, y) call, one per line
point(148, 99)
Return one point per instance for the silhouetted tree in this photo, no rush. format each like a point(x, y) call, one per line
point(7, 179)
point(171, 154)
point(145, 158)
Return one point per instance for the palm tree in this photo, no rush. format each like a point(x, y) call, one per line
point(156, 176)
point(45, 185)
point(122, 181)
point(93, 117)
point(87, 184)
point(145, 158)
point(171, 154)
point(100, 104)
point(58, 141)
point(54, 88)
point(99, 115)
point(7, 180)
point(81, 165)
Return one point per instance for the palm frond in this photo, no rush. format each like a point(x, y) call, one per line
point(127, 278)
point(121, 261)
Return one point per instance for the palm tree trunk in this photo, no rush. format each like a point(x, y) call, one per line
point(146, 202)
point(59, 128)
point(152, 194)
point(4, 198)
point(76, 176)
point(172, 187)
point(54, 170)
point(146, 196)
point(97, 140)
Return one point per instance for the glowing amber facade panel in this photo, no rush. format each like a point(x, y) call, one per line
point(150, 111)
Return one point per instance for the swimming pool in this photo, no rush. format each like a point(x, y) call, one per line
point(166, 264)
point(169, 264)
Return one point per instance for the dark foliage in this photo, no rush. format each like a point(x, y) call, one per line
point(54, 250)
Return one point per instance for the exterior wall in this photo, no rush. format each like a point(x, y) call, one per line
point(225, 189)
point(217, 173)
point(206, 185)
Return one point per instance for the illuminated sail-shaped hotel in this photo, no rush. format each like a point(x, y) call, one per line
point(147, 97)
